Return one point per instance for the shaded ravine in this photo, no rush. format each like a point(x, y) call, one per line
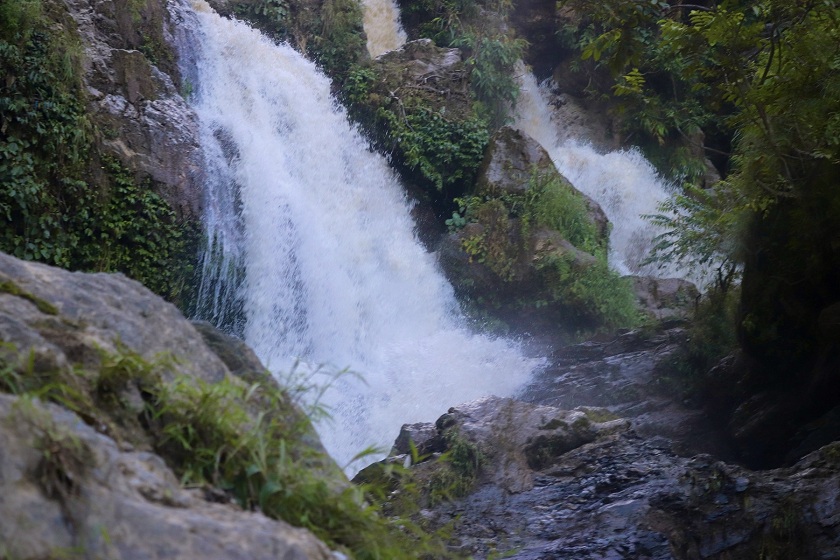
point(320, 228)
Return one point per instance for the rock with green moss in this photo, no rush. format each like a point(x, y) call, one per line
point(141, 401)
point(528, 248)
point(416, 104)
point(70, 492)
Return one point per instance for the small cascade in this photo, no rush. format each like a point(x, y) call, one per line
point(312, 245)
point(382, 27)
point(623, 182)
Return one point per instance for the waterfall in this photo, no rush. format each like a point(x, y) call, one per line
point(382, 26)
point(333, 272)
point(623, 182)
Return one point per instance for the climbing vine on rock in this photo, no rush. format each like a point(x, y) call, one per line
point(58, 205)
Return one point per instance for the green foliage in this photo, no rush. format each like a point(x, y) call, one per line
point(776, 66)
point(593, 296)
point(552, 202)
point(702, 232)
point(581, 283)
point(479, 29)
point(209, 436)
point(438, 139)
point(457, 470)
point(492, 58)
point(131, 229)
point(17, 18)
point(711, 334)
point(445, 151)
point(52, 209)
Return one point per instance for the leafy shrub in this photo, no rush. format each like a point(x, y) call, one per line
point(590, 295)
point(58, 205)
point(491, 61)
point(438, 140)
point(457, 469)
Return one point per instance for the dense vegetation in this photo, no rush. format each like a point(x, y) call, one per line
point(752, 85)
point(572, 284)
point(63, 200)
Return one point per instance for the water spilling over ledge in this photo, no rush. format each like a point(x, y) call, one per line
point(623, 182)
point(333, 272)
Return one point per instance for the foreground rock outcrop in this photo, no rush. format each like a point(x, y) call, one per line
point(91, 483)
point(68, 490)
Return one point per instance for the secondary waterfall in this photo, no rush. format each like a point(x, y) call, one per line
point(333, 273)
point(623, 182)
point(382, 27)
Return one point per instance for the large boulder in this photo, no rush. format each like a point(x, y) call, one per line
point(64, 487)
point(105, 347)
point(527, 246)
point(60, 319)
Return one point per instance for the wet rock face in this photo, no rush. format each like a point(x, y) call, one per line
point(609, 460)
point(607, 492)
point(132, 79)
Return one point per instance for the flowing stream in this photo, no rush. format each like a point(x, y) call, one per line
point(623, 182)
point(314, 256)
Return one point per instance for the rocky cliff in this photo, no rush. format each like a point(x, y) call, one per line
point(83, 359)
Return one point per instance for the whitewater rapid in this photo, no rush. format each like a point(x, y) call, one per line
point(622, 182)
point(333, 272)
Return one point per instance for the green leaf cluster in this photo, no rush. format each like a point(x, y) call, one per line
point(57, 205)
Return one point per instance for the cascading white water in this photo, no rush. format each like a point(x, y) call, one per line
point(382, 27)
point(333, 271)
point(623, 182)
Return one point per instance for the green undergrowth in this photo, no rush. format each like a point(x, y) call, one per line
point(578, 281)
point(481, 30)
point(64, 202)
point(438, 126)
point(458, 469)
point(434, 133)
point(243, 439)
